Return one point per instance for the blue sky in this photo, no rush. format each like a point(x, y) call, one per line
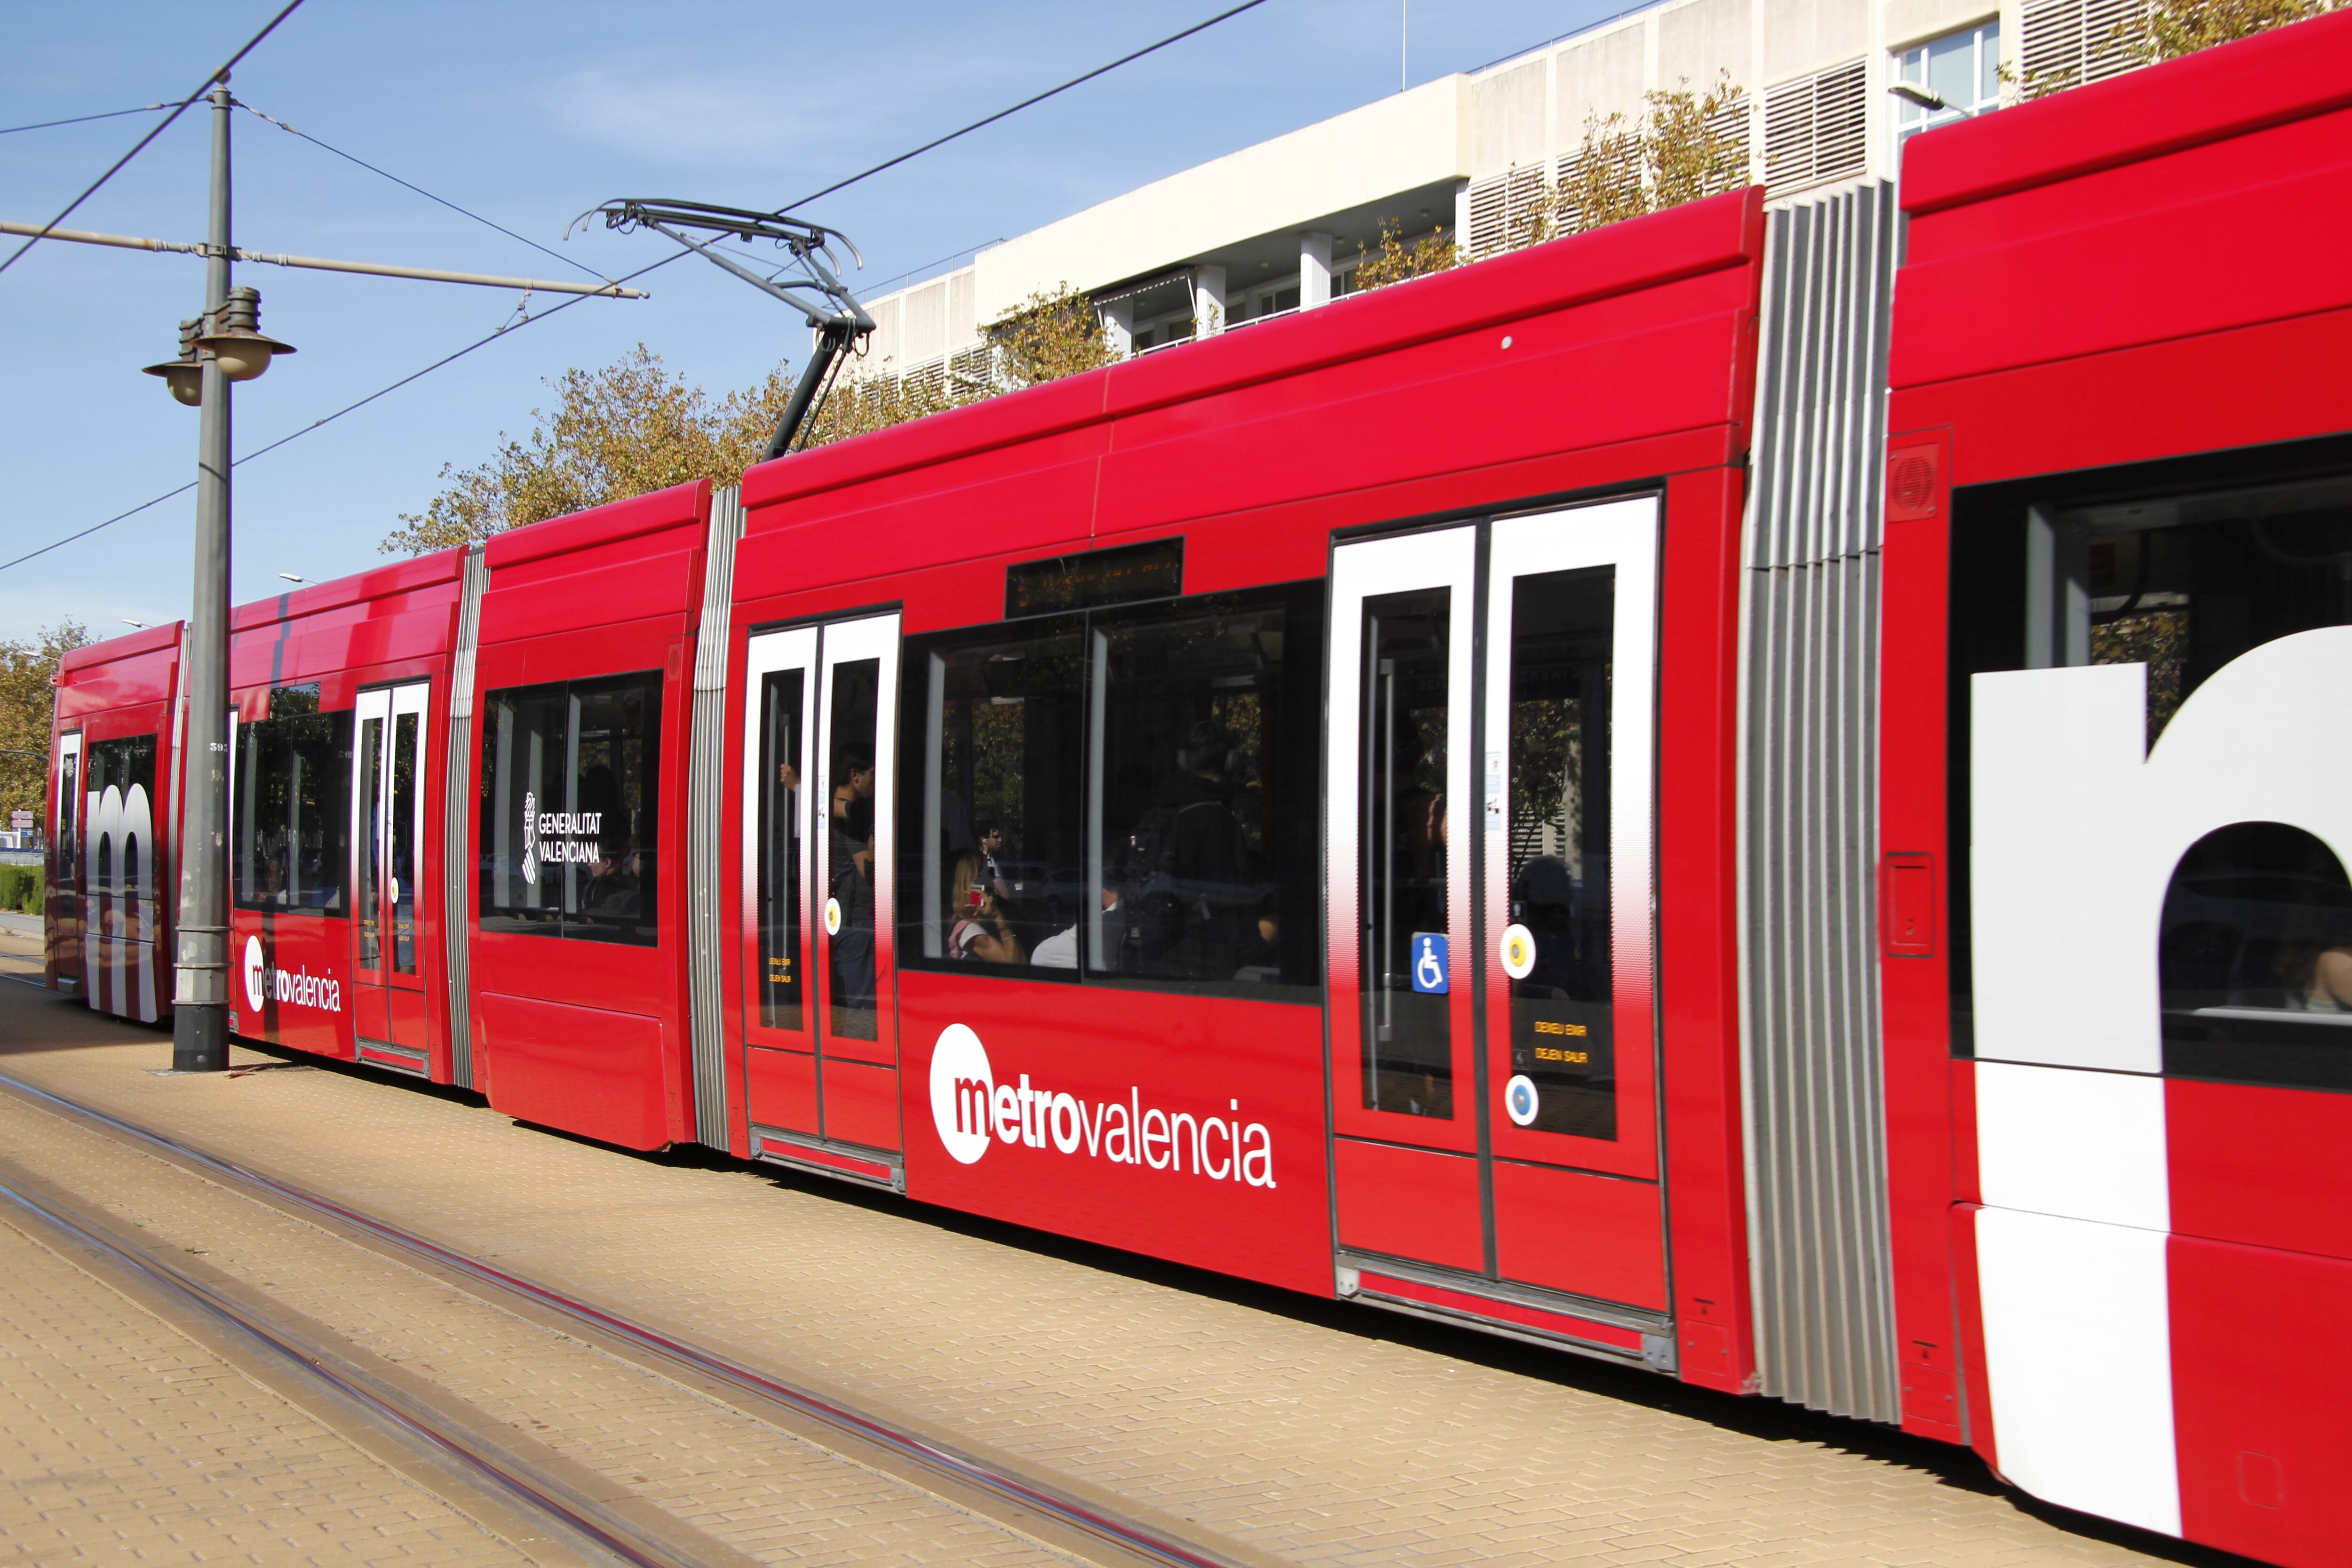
point(529, 113)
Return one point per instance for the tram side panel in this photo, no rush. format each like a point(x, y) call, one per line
point(1032, 1097)
point(342, 693)
point(2105, 329)
point(112, 881)
point(581, 719)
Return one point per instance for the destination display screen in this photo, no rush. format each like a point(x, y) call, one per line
point(1098, 577)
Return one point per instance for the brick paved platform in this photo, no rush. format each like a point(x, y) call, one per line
point(1269, 1427)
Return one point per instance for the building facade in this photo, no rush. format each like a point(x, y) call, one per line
point(1282, 225)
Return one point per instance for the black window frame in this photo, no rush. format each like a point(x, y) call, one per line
point(1296, 873)
point(1988, 612)
point(643, 925)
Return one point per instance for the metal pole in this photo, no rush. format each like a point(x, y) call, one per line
point(200, 982)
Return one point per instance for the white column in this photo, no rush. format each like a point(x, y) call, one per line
point(1461, 215)
point(1119, 324)
point(1208, 300)
point(1314, 270)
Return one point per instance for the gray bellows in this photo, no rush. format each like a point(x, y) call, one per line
point(1809, 1020)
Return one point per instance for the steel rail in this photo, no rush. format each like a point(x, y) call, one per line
point(194, 1294)
point(1127, 1534)
point(322, 264)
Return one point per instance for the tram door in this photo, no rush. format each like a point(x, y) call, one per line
point(64, 905)
point(822, 1057)
point(387, 839)
point(1489, 814)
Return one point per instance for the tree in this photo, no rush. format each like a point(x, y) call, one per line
point(1396, 259)
point(2171, 28)
point(28, 709)
point(1052, 334)
point(624, 431)
point(632, 428)
point(1677, 150)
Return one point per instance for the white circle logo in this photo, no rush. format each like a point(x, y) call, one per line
point(963, 1092)
point(255, 974)
point(833, 916)
point(1520, 1099)
point(1518, 951)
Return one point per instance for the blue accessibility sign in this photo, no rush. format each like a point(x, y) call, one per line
point(1430, 968)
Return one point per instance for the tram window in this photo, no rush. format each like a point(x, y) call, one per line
point(1407, 1034)
point(1561, 1037)
point(992, 871)
point(2185, 583)
point(117, 835)
point(783, 696)
point(2254, 960)
point(570, 824)
point(856, 694)
point(2180, 565)
point(1201, 867)
point(293, 825)
point(68, 841)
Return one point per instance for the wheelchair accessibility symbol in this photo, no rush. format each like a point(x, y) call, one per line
point(1520, 1099)
point(1429, 966)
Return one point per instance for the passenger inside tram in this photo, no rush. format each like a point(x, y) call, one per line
point(977, 926)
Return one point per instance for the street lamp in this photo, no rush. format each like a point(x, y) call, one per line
point(224, 344)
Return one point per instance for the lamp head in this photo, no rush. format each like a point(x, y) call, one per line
point(236, 340)
point(1926, 98)
point(185, 375)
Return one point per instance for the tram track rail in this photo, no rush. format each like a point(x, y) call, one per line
point(1129, 1540)
point(576, 1518)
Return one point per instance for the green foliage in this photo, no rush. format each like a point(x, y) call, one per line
point(1396, 259)
point(2171, 28)
point(28, 706)
point(632, 428)
point(624, 431)
point(20, 888)
point(1676, 151)
point(1052, 334)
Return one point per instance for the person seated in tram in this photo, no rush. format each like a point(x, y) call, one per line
point(1190, 847)
point(613, 892)
point(978, 927)
point(2317, 964)
point(1060, 951)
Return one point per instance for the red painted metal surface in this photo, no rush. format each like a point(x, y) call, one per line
point(1602, 1237)
point(2259, 1395)
point(2138, 269)
point(609, 592)
point(1409, 1203)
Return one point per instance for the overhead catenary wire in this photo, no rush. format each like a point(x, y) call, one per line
point(420, 190)
point(181, 108)
point(82, 119)
point(625, 278)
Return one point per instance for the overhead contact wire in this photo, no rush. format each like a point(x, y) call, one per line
point(420, 190)
point(517, 326)
point(181, 108)
point(83, 119)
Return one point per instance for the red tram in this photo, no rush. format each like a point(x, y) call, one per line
point(1692, 795)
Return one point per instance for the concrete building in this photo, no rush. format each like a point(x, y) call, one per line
point(1281, 226)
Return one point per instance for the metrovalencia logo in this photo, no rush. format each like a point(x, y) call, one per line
point(297, 988)
point(971, 1110)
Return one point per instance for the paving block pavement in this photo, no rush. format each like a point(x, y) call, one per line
point(123, 1440)
point(1313, 1432)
